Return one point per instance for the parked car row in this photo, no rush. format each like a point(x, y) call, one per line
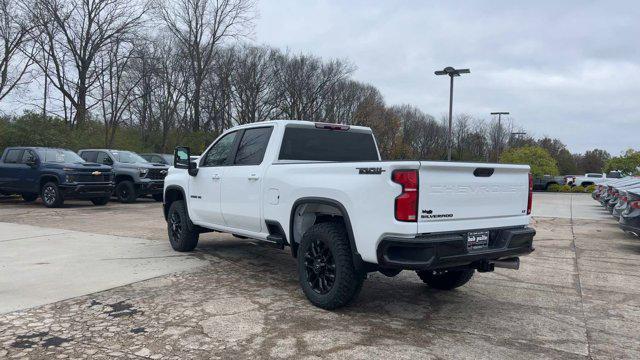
point(591, 178)
point(545, 181)
point(55, 175)
point(621, 197)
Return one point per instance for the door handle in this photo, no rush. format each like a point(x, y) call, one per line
point(215, 177)
point(253, 177)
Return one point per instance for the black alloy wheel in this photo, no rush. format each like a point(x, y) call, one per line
point(175, 225)
point(183, 235)
point(126, 192)
point(320, 267)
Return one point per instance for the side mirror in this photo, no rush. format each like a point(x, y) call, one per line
point(182, 160)
point(32, 162)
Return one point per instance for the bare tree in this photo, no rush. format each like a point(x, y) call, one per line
point(73, 34)
point(116, 87)
point(16, 49)
point(343, 100)
point(200, 26)
point(255, 96)
point(305, 83)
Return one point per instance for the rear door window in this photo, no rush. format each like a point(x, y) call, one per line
point(313, 144)
point(28, 156)
point(252, 146)
point(103, 158)
point(13, 156)
point(89, 156)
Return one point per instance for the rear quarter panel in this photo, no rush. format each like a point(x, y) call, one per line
point(369, 199)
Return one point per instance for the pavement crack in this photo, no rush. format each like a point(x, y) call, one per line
point(578, 280)
point(32, 237)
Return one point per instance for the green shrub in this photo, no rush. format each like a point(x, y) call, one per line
point(577, 189)
point(554, 188)
point(590, 189)
point(565, 188)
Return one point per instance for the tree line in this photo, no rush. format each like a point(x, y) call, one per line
point(148, 75)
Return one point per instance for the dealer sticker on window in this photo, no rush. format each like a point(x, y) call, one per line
point(477, 240)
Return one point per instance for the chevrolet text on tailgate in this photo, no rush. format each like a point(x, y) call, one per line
point(322, 190)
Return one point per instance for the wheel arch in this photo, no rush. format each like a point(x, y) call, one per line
point(44, 178)
point(173, 193)
point(294, 239)
point(123, 177)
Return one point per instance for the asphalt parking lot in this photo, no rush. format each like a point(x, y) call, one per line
point(102, 282)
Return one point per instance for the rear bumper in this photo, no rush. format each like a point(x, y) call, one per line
point(85, 191)
point(440, 251)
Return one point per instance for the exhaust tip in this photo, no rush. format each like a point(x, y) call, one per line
point(511, 263)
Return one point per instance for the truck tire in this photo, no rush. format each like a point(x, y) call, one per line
point(326, 271)
point(29, 197)
point(182, 233)
point(51, 195)
point(447, 279)
point(126, 191)
point(158, 197)
point(99, 201)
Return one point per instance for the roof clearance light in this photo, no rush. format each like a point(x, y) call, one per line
point(330, 126)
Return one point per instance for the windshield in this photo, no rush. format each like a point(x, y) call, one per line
point(59, 156)
point(128, 157)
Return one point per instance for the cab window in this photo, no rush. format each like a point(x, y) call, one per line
point(89, 156)
point(252, 146)
point(103, 158)
point(13, 156)
point(28, 157)
point(218, 153)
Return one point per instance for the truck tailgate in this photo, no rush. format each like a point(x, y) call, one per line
point(464, 196)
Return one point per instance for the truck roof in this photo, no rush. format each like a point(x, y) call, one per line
point(104, 150)
point(35, 148)
point(285, 122)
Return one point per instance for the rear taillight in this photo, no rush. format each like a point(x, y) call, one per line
point(530, 200)
point(635, 204)
point(407, 201)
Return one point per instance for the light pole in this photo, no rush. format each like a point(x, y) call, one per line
point(514, 136)
point(452, 73)
point(499, 113)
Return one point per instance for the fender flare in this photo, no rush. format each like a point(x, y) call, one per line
point(49, 174)
point(164, 204)
point(357, 259)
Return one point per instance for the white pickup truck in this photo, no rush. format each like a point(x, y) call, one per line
point(322, 190)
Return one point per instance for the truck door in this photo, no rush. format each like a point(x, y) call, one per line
point(10, 177)
point(241, 183)
point(204, 188)
point(30, 172)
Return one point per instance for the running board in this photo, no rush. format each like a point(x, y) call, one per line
point(276, 241)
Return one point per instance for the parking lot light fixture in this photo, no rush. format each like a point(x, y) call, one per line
point(452, 73)
point(499, 113)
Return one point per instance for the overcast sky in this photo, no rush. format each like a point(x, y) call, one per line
point(567, 69)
